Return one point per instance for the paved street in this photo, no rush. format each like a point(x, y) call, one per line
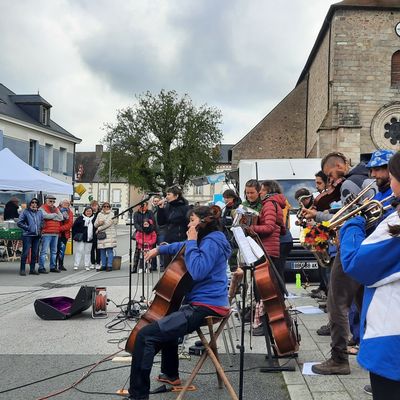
point(41, 357)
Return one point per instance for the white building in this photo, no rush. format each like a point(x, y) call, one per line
point(88, 166)
point(26, 128)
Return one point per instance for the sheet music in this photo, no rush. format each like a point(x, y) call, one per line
point(245, 248)
point(255, 248)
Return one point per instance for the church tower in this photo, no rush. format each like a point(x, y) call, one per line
point(348, 94)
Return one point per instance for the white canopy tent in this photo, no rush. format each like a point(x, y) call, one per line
point(18, 176)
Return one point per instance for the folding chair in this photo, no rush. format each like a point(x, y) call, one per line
point(211, 352)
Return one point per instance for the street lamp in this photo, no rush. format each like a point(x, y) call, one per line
point(109, 176)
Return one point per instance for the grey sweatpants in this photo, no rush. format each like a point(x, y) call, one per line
point(342, 290)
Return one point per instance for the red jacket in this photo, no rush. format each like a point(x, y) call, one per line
point(66, 225)
point(52, 218)
point(148, 238)
point(270, 223)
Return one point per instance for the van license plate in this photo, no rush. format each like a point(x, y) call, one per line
point(305, 265)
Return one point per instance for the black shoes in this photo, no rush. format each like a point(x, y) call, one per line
point(33, 272)
point(368, 389)
point(325, 330)
point(55, 270)
point(42, 271)
point(62, 268)
point(22, 273)
point(259, 331)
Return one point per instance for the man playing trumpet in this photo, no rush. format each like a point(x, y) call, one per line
point(342, 288)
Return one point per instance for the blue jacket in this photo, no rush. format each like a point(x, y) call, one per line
point(206, 265)
point(31, 222)
point(375, 262)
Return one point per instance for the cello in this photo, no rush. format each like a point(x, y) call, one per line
point(170, 290)
point(169, 293)
point(283, 328)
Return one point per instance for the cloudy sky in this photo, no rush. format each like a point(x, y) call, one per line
point(88, 58)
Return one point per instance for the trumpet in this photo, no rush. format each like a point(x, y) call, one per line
point(323, 257)
point(371, 209)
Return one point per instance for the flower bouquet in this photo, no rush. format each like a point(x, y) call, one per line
point(316, 238)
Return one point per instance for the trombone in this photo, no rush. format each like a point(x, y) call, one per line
point(372, 209)
point(353, 202)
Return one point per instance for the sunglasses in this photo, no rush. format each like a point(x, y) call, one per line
point(51, 201)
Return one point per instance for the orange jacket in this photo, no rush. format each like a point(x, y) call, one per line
point(52, 219)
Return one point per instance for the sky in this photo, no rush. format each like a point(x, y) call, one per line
point(89, 58)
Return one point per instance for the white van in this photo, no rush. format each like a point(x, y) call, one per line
point(292, 174)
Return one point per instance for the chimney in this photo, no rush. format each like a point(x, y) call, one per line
point(99, 150)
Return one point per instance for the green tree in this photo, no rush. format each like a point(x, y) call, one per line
point(163, 140)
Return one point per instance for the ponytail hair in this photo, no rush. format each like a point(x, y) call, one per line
point(209, 221)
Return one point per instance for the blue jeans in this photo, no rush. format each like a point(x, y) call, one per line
point(29, 242)
point(61, 245)
point(107, 256)
point(48, 241)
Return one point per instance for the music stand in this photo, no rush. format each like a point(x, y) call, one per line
point(242, 318)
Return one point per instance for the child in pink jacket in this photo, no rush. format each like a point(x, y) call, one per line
point(145, 241)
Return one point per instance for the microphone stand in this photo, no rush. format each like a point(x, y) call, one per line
point(130, 311)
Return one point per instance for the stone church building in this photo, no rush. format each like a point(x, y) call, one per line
point(347, 98)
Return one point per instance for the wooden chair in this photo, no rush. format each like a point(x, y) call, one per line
point(211, 352)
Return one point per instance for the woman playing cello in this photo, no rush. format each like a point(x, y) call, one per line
point(206, 253)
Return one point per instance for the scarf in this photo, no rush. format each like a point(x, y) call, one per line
point(89, 225)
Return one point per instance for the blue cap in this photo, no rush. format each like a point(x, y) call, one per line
point(380, 158)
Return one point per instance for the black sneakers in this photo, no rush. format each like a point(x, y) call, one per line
point(259, 331)
point(325, 330)
point(368, 389)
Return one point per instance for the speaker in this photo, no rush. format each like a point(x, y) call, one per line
point(62, 307)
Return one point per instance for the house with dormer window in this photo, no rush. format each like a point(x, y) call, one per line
point(26, 128)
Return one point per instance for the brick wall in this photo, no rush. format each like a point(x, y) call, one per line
point(317, 94)
point(281, 134)
point(363, 43)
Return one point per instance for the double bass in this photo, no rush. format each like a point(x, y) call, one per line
point(283, 328)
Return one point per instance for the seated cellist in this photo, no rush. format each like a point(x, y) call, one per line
point(206, 253)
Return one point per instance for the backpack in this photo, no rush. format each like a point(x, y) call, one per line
point(286, 217)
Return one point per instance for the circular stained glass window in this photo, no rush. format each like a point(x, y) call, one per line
point(392, 131)
point(385, 127)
